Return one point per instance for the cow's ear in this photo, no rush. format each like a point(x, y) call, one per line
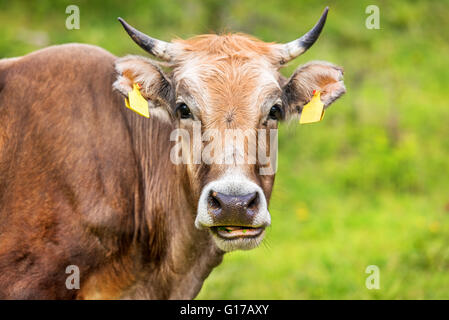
point(155, 86)
point(315, 75)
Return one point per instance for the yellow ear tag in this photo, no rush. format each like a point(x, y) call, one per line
point(136, 102)
point(313, 111)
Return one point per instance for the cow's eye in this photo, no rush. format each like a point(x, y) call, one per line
point(184, 112)
point(275, 112)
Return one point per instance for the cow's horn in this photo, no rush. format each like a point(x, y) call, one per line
point(299, 46)
point(157, 48)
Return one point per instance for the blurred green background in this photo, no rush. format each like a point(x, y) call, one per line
point(366, 186)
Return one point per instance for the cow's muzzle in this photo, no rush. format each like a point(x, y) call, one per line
point(234, 210)
point(230, 210)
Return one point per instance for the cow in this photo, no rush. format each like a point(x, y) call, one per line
point(88, 185)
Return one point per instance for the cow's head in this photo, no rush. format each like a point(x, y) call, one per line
point(228, 86)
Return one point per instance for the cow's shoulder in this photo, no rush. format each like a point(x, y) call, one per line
point(64, 128)
point(58, 61)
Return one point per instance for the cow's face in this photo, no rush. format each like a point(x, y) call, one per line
point(226, 97)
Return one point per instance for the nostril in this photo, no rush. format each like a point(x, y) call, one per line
point(254, 201)
point(213, 201)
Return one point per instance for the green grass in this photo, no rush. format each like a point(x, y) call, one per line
point(319, 248)
point(366, 186)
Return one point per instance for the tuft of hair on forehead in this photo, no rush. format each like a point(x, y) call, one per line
point(229, 44)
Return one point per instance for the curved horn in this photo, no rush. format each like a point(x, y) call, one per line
point(157, 48)
point(299, 46)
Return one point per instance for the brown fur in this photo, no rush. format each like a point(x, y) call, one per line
point(230, 44)
point(85, 181)
point(82, 182)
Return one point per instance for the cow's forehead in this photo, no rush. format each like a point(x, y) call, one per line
point(229, 45)
point(225, 72)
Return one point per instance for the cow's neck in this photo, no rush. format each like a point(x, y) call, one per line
point(174, 257)
point(164, 256)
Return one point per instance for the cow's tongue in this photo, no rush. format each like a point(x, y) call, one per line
point(231, 231)
point(232, 228)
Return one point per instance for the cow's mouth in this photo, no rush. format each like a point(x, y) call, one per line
point(236, 232)
point(229, 238)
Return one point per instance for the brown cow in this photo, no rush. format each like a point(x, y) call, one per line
point(86, 182)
